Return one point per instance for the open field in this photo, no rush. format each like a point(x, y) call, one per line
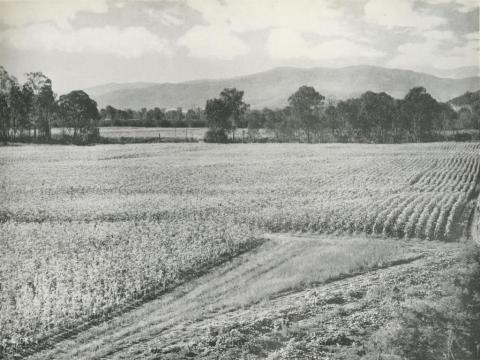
point(117, 132)
point(180, 133)
point(87, 231)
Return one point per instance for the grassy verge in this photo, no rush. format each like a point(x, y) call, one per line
point(298, 262)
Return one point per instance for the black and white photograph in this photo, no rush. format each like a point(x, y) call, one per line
point(240, 179)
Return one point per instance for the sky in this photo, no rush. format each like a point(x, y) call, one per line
point(82, 43)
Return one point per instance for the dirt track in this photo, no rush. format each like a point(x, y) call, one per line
point(219, 315)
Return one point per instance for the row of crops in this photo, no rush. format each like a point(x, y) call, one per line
point(86, 231)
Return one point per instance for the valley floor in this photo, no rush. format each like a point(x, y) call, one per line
point(295, 296)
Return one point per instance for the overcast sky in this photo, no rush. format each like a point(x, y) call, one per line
point(80, 43)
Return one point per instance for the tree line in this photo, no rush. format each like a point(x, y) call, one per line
point(155, 117)
point(30, 111)
point(310, 117)
point(371, 117)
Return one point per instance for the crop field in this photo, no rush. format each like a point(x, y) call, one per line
point(87, 231)
point(280, 266)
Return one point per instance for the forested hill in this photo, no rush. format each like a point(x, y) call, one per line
point(272, 88)
point(467, 99)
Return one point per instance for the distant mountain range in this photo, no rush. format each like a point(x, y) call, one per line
point(272, 88)
point(458, 73)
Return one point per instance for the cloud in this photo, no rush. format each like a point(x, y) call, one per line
point(315, 16)
point(214, 42)
point(474, 37)
point(417, 55)
point(227, 19)
point(441, 35)
point(399, 13)
point(290, 44)
point(462, 5)
point(19, 13)
point(130, 42)
point(169, 17)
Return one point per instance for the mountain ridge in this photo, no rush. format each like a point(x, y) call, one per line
point(272, 88)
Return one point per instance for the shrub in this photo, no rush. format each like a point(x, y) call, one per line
point(216, 136)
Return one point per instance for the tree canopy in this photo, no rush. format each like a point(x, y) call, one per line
point(80, 112)
point(224, 114)
point(306, 103)
point(34, 106)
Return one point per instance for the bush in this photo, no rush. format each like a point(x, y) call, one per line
point(216, 136)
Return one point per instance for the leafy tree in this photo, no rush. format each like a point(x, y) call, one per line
point(347, 118)
point(16, 107)
point(288, 124)
point(468, 106)
point(306, 103)
point(376, 114)
point(43, 101)
point(27, 107)
point(175, 117)
point(194, 118)
point(233, 100)
point(217, 113)
point(6, 80)
point(446, 119)
point(143, 114)
point(110, 113)
point(79, 111)
point(46, 107)
point(272, 120)
point(255, 119)
point(153, 117)
point(331, 117)
point(421, 109)
point(4, 116)
point(466, 119)
point(224, 114)
point(6, 110)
